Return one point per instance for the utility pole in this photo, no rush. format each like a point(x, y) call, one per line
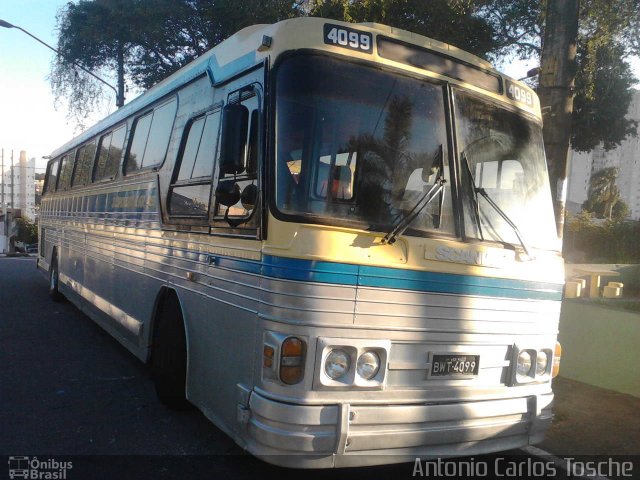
point(13, 205)
point(4, 205)
point(557, 75)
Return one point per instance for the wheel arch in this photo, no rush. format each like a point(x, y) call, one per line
point(165, 294)
point(54, 255)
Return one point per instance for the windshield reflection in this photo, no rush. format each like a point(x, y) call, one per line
point(505, 157)
point(357, 145)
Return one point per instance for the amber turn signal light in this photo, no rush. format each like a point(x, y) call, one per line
point(292, 354)
point(557, 354)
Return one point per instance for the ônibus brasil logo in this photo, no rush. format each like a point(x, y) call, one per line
point(35, 469)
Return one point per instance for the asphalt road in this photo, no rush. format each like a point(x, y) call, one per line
point(68, 389)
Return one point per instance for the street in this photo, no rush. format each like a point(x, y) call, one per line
point(69, 389)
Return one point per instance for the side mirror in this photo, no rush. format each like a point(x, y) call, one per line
point(235, 122)
point(249, 197)
point(227, 193)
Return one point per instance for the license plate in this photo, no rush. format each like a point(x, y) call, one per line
point(454, 365)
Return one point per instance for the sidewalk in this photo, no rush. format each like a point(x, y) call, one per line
point(592, 421)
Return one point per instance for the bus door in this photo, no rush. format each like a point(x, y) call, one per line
point(237, 197)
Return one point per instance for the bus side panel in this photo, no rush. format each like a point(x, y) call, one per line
point(221, 326)
point(99, 271)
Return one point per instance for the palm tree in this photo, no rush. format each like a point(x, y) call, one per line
point(604, 194)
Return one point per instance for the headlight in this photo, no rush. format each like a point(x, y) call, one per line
point(542, 360)
point(524, 363)
point(368, 365)
point(337, 364)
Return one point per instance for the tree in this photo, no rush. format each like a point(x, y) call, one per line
point(455, 22)
point(141, 42)
point(182, 30)
point(608, 34)
point(101, 36)
point(27, 232)
point(603, 194)
point(603, 94)
point(620, 211)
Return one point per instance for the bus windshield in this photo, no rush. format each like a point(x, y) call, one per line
point(504, 154)
point(359, 146)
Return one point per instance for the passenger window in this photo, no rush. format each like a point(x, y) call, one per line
point(84, 162)
point(151, 136)
point(66, 169)
point(110, 153)
point(52, 176)
point(139, 142)
point(191, 189)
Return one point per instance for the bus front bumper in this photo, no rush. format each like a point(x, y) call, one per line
point(346, 435)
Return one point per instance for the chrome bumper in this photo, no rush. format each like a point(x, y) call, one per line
point(346, 435)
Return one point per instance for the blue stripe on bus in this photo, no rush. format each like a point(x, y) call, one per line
point(392, 278)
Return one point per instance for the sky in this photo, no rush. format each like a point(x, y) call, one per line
point(30, 120)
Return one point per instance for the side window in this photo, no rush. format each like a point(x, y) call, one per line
point(110, 153)
point(52, 176)
point(191, 186)
point(66, 170)
point(245, 175)
point(151, 135)
point(84, 163)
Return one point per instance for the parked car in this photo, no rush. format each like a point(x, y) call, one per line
point(32, 248)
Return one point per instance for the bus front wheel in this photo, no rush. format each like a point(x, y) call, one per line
point(168, 363)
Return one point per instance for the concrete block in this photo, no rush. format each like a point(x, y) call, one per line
point(612, 292)
point(572, 289)
point(581, 281)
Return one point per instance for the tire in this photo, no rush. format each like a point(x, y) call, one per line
point(168, 363)
point(54, 281)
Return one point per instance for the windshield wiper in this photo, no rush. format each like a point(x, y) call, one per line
point(424, 200)
point(476, 190)
point(474, 196)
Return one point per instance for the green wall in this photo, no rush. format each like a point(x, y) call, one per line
point(600, 346)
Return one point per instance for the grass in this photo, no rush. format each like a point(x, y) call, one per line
point(626, 304)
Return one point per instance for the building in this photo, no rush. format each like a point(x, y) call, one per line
point(8, 229)
point(18, 185)
point(626, 158)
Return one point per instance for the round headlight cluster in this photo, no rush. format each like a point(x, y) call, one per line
point(524, 363)
point(542, 360)
point(337, 364)
point(368, 365)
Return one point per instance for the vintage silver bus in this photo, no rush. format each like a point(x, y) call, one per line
point(335, 240)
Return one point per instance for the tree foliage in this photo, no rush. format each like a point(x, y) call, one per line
point(101, 36)
point(140, 42)
point(608, 35)
point(26, 231)
point(454, 22)
point(603, 194)
point(181, 30)
point(590, 241)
